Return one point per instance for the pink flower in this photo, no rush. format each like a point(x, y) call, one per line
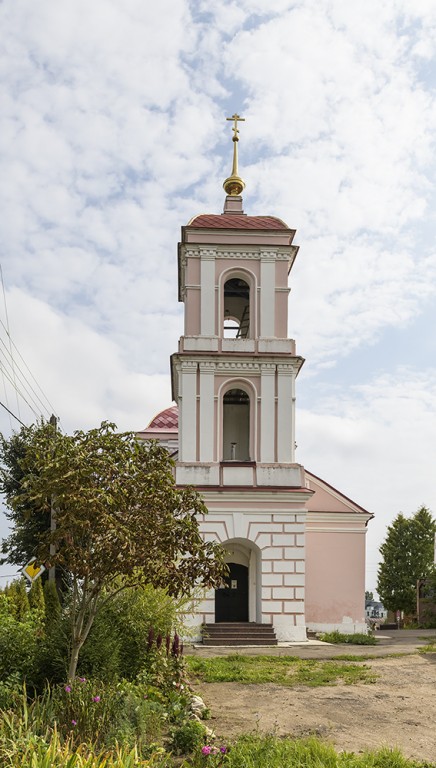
point(96, 699)
point(73, 722)
point(68, 688)
point(82, 679)
point(206, 750)
point(223, 750)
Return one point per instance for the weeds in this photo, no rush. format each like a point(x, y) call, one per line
point(255, 751)
point(358, 638)
point(281, 670)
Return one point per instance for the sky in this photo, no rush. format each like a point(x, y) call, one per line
point(113, 135)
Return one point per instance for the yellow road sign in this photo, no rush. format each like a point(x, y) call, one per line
point(32, 570)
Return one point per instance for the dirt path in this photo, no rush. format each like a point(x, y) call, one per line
point(398, 710)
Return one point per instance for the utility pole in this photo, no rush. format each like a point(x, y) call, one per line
point(52, 569)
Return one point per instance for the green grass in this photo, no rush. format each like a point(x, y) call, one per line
point(282, 670)
point(358, 638)
point(256, 751)
point(430, 648)
point(371, 657)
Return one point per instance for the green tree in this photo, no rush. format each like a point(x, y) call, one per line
point(27, 528)
point(36, 598)
point(52, 606)
point(407, 553)
point(19, 601)
point(120, 519)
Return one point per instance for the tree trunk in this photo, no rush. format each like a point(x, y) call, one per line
point(74, 658)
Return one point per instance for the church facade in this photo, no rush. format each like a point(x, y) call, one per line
point(295, 546)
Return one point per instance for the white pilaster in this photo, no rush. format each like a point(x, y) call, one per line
point(207, 305)
point(207, 427)
point(188, 404)
point(267, 415)
point(267, 295)
point(285, 444)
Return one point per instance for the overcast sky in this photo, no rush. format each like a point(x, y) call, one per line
point(113, 135)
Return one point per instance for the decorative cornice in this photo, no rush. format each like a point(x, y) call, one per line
point(237, 365)
point(319, 520)
point(282, 253)
point(189, 366)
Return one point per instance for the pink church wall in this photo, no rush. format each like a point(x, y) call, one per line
point(282, 297)
point(335, 577)
point(192, 312)
point(323, 500)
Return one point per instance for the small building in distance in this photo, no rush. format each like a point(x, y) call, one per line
point(375, 612)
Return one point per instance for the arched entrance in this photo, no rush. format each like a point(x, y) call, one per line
point(239, 599)
point(231, 600)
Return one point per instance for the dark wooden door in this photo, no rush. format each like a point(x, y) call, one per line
point(231, 602)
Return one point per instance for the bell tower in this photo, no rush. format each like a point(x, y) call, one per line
point(234, 374)
point(233, 380)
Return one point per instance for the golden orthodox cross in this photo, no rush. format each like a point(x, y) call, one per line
point(236, 119)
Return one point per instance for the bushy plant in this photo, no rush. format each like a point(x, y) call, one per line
point(357, 638)
point(187, 737)
point(117, 646)
point(36, 598)
point(19, 637)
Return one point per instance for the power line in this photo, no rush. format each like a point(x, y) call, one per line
point(24, 382)
point(7, 331)
point(35, 412)
point(51, 408)
point(12, 414)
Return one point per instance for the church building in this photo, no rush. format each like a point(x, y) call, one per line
point(295, 546)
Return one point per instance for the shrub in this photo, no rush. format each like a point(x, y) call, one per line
point(18, 640)
point(105, 714)
point(117, 646)
point(187, 737)
point(358, 638)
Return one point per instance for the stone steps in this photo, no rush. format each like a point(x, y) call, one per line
point(239, 633)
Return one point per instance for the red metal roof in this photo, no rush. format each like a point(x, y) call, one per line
point(165, 420)
point(236, 221)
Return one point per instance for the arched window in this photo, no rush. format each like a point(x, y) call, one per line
point(236, 309)
point(236, 426)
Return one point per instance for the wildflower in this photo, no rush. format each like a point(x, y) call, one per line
point(96, 699)
point(73, 722)
point(82, 679)
point(150, 638)
point(223, 750)
point(175, 646)
point(68, 688)
point(206, 750)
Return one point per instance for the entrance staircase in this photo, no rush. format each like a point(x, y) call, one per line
point(239, 633)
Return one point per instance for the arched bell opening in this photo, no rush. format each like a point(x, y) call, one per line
point(236, 309)
point(236, 425)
